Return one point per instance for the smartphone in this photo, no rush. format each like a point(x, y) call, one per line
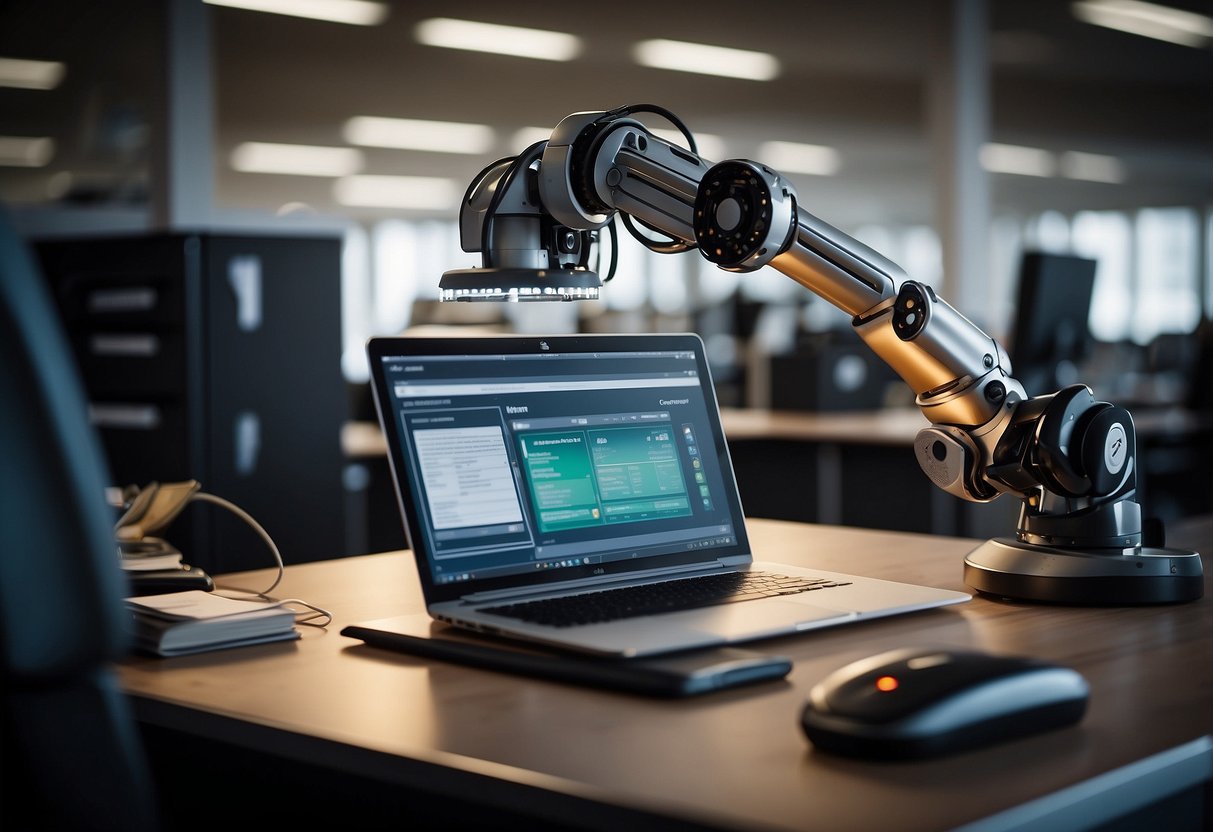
point(675, 675)
point(701, 671)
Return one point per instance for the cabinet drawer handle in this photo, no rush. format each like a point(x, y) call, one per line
point(244, 276)
point(128, 345)
point(248, 442)
point(133, 299)
point(125, 416)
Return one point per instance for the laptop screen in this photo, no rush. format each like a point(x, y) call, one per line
point(521, 460)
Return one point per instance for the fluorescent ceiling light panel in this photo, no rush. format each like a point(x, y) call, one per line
point(31, 75)
point(427, 193)
point(707, 60)
point(353, 12)
point(527, 136)
point(710, 146)
point(24, 152)
point(296, 159)
point(541, 44)
point(416, 134)
point(1093, 167)
point(1024, 161)
point(793, 157)
point(1149, 20)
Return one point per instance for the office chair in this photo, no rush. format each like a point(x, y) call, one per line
point(71, 754)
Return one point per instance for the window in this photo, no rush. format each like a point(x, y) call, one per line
point(1149, 279)
point(1166, 298)
point(1107, 236)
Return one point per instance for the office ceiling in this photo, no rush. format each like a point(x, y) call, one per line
point(854, 76)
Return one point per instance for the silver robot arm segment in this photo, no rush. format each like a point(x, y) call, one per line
point(595, 165)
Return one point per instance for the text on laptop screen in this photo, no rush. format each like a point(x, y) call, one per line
point(527, 462)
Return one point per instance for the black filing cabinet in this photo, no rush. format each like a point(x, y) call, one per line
point(217, 358)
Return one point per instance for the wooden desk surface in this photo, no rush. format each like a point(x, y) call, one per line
point(733, 759)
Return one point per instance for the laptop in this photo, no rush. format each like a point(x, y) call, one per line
point(576, 492)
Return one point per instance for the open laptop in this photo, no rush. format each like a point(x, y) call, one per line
point(542, 480)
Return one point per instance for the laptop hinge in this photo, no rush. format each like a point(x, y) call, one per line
point(598, 581)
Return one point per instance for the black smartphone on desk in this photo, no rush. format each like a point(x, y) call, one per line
point(675, 675)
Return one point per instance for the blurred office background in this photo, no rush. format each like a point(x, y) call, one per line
point(145, 140)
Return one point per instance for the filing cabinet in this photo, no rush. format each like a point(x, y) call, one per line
point(215, 357)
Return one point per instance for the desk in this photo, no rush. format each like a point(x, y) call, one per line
point(736, 759)
point(859, 469)
point(836, 468)
point(853, 469)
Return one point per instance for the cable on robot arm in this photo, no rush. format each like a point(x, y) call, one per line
point(518, 163)
point(671, 245)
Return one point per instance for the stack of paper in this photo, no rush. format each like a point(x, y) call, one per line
point(151, 563)
point(191, 622)
point(149, 554)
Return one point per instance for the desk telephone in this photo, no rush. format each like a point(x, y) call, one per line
point(149, 511)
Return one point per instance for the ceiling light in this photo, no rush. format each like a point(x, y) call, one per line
point(354, 12)
point(1092, 167)
point(708, 60)
point(295, 208)
point(59, 185)
point(502, 40)
point(415, 134)
point(427, 193)
point(793, 157)
point(24, 152)
point(31, 75)
point(527, 136)
point(296, 159)
point(1010, 158)
point(709, 146)
point(1148, 20)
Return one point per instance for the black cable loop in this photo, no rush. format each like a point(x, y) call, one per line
point(614, 232)
point(671, 246)
point(522, 161)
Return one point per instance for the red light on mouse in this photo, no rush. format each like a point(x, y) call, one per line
point(886, 683)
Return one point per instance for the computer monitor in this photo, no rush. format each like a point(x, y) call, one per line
point(1050, 335)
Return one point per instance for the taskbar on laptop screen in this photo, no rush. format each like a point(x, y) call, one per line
point(532, 463)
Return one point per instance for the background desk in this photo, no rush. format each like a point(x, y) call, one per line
point(859, 469)
point(328, 729)
point(854, 469)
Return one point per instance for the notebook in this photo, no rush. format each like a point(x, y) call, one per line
point(576, 491)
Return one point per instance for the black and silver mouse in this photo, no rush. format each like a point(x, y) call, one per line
point(915, 702)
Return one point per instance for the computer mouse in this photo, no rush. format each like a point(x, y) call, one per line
point(923, 702)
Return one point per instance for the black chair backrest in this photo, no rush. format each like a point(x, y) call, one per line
point(71, 752)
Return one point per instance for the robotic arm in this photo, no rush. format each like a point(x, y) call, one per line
point(1070, 458)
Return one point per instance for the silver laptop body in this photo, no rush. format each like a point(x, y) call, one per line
point(532, 468)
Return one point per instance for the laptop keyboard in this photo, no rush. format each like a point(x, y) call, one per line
point(666, 596)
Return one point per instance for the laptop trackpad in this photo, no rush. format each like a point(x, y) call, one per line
point(773, 616)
